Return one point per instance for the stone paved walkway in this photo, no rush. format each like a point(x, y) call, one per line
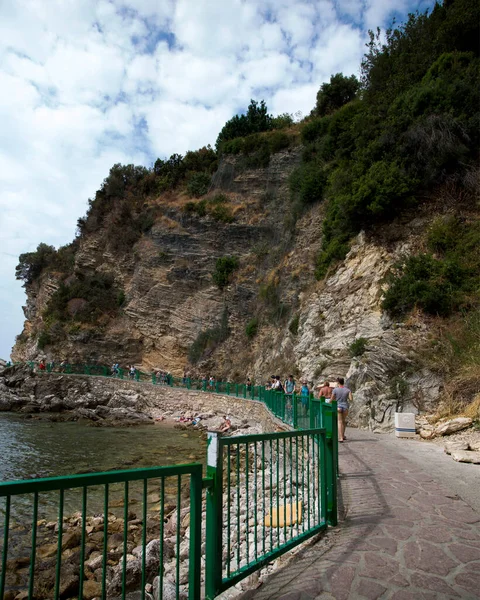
point(403, 536)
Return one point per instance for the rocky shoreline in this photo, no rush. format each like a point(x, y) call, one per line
point(172, 555)
point(109, 403)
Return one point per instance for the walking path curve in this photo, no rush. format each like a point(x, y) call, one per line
point(404, 534)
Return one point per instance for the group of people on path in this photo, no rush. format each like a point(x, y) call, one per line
point(339, 393)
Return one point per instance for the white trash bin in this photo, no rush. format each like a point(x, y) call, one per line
point(405, 425)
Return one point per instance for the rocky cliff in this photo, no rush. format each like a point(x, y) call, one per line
point(304, 326)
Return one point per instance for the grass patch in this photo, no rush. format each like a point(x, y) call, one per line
point(443, 281)
point(251, 328)
point(358, 347)
point(215, 207)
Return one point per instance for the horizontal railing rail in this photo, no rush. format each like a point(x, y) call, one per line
point(293, 409)
point(269, 495)
point(265, 494)
point(159, 492)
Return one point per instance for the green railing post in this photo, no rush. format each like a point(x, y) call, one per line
point(195, 553)
point(236, 390)
point(295, 411)
point(228, 388)
point(154, 379)
point(188, 383)
point(330, 422)
point(214, 524)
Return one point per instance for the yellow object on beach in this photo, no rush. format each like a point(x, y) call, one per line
point(277, 519)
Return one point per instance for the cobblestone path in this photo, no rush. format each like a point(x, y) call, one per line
point(403, 536)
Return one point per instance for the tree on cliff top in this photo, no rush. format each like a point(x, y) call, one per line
point(256, 120)
point(31, 264)
point(332, 96)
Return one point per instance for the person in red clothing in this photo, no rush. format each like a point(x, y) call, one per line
point(42, 365)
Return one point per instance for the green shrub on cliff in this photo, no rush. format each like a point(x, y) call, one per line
point(31, 264)
point(44, 340)
point(224, 267)
point(198, 184)
point(415, 122)
point(251, 328)
point(207, 340)
point(216, 207)
point(85, 299)
point(441, 283)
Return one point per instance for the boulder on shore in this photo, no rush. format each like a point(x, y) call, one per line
point(466, 456)
point(453, 425)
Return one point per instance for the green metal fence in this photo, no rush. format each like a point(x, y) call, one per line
point(162, 496)
point(269, 493)
point(265, 494)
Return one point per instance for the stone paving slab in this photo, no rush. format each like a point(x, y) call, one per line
point(403, 536)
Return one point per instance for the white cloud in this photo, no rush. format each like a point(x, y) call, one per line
point(78, 77)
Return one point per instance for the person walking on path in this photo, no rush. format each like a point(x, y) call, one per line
point(342, 395)
point(325, 391)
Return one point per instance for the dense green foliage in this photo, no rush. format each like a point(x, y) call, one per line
point(84, 299)
point(198, 184)
point(255, 120)
point(358, 347)
point(332, 96)
point(445, 280)
point(224, 267)
point(32, 264)
point(415, 122)
point(251, 328)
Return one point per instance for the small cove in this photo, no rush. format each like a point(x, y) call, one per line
point(31, 448)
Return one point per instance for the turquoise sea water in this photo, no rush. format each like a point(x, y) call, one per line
point(31, 448)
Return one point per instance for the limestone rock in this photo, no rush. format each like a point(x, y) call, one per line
point(475, 445)
point(466, 456)
point(91, 589)
point(455, 446)
point(169, 590)
point(427, 432)
point(453, 425)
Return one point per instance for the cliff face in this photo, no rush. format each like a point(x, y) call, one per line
point(304, 326)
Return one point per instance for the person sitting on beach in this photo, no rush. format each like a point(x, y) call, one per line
point(227, 424)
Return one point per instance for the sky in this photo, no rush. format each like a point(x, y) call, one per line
point(86, 84)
